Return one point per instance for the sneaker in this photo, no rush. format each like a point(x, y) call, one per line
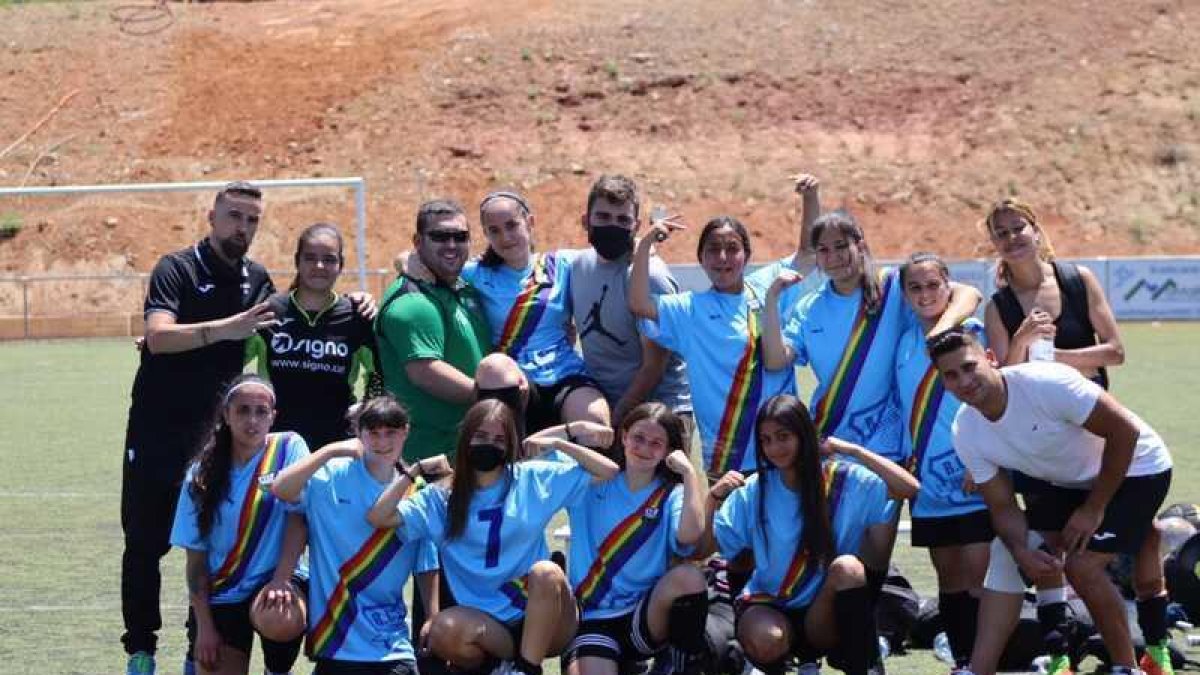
point(810, 668)
point(140, 663)
point(504, 668)
point(1157, 660)
point(1059, 665)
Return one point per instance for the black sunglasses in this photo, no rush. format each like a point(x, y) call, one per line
point(443, 236)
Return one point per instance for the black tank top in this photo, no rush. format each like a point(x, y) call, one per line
point(1073, 326)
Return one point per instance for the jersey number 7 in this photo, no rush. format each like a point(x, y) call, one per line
point(493, 517)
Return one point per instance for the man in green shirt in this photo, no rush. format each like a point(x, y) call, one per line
point(432, 335)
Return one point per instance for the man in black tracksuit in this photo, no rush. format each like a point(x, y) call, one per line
point(203, 301)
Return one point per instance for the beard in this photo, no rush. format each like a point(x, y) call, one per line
point(233, 249)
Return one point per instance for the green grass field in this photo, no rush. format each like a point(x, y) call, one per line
point(62, 412)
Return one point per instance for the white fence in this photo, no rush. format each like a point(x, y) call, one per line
point(1139, 289)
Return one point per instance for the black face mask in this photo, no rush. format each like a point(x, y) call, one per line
point(486, 456)
point(610, 241)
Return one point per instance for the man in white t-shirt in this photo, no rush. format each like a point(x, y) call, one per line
point(1107, 471)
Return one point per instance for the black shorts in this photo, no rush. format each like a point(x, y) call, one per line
point(233, 625)
point(545, 402)
point(1127, 520)
point(967, 528)
point(621, 639)
point(335, 667)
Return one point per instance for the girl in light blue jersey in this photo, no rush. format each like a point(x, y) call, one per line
point(803, 519)
point(624, 534)
point(526, 297)
point(514, 605)
point(948, 517)
point(718, 332)
point(847, 332)
point(358, 624)
point(234, 530)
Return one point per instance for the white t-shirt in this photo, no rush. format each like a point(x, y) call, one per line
point(1041, 432)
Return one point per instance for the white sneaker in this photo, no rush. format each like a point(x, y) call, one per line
point(504, 668)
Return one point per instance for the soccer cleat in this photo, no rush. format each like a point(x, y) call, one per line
point(1157, 660)
point(140, 663)
point(1059, 665)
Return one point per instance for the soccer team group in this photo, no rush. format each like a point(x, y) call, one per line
point(505, 388)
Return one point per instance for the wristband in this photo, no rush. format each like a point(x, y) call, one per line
point(415, 465)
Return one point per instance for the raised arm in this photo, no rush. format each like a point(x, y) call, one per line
point(384, 513)
point(289, 483)
point(691, 520)
point(641, 302)
point(900, 483)
point(717, 494)
point(777, 354)
point(808, 187)
point(964, 300)
point(600, 467)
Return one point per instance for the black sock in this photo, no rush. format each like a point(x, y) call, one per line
point(959, 615)
point(1152, 618)
point(1053, 619)
point(858, 644)
point(875, 581)
point(525, 666)
point(688, 616)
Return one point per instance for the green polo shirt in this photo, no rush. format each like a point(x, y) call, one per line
point(429, 321)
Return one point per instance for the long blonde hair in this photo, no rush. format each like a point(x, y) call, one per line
point(1013, 205)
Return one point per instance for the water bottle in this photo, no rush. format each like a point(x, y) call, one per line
point(941, 649)
point(1042, 349)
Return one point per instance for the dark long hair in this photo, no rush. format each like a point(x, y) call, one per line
point(490, 258)
point(463, 484)
point(847, 226)
point(659, 414)
point(717, 223)
point(210, 481)
point(817, 534)
point(308, 235)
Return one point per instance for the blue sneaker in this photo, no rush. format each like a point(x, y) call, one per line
point(140, 663)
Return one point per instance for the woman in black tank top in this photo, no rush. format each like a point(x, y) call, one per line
point(1039, 297)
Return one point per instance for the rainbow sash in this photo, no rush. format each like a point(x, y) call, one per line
point(800, 572)
point(921, 422)
point(737, 422)
point(619, 546)
point(517, 592)
point(832, 406)
point(327, 636)
point(257, 504)
point(529, 306)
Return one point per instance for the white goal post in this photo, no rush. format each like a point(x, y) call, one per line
point(358, 184)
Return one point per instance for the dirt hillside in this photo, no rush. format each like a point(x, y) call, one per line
point(915, 115)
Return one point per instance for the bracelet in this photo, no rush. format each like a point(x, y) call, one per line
point(570, 436)
point(204, 336)
point(415, 465)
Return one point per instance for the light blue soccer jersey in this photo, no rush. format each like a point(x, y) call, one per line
point(710, 331)
point(857, 499)
point(505, 533)
point(249, 515)
point(537, 338)
point(356, 606)
point(937, 465)
point(867, 411)
point(621, 543)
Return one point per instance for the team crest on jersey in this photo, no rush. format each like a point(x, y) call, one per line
point(650, 513)
point(265, 481)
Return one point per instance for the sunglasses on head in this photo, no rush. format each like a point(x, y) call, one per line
point(443, 236)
